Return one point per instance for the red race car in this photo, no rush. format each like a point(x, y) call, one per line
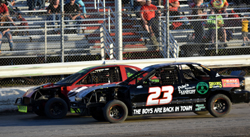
point(52, 99)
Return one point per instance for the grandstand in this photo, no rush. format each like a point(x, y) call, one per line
point(42, 45)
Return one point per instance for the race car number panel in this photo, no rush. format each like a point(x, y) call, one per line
point(155, 92)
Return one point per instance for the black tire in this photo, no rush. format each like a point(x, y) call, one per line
point(115, 111)
point(97, 113)
point(219, 105)
point(56, 108)
point(201, 112)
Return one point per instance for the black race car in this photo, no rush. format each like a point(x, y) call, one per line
point(163, 88)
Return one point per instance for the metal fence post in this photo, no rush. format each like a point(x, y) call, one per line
point(45, 42)
point(216, 34)
point(104, 7)
point(98, 2)
point(160, 36)
point(109, 19)
point(62, 30)
point(167, 27)
point(118, 28)
point(102, 42)
point(95, 4)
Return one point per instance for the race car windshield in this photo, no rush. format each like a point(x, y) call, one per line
point(72, 78)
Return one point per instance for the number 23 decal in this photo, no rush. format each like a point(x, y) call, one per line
point(155, 92)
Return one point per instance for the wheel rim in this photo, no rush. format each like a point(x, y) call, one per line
point(116, 112)
point(56, 108)
point(220, 105)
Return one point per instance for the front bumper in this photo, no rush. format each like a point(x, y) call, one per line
point(241, 96)
point(78, 107)
point(23, 105)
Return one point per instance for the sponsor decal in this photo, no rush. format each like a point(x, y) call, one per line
point(202, 87)
point(199, 107)
point(233, 82)
point(159, 110)
point(215, 85)
point(186, 89)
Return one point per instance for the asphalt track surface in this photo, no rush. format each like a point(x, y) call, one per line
point(236, 123)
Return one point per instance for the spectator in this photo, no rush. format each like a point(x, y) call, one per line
point(33, 3)
point(23, 23)
point(4, 9)
point(5, 32)
point(80, 2)
point(30, 4)
point(10, 4)
point(197, 9)
point(211, 23)
point(173, 6)
point(72, 12)
point(220, 5)
point(149, 19)
point(53, 11)
point(41, 4)
point(137, 6)
point(245, 30)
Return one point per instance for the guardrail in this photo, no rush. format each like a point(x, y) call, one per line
point(72, 67)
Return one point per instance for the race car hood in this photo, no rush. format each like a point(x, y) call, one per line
point(86, 91)
point(31, 91)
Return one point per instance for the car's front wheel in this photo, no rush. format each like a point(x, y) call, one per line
point(219, 105)
point(115, 111)
point(56, 108)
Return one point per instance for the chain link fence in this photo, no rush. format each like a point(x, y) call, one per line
point(53, 38)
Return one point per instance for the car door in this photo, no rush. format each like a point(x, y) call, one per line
point(195, 82)
point(157, 89)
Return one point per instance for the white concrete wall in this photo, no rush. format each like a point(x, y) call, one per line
point(8, 97)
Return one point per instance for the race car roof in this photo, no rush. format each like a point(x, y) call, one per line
point(169, 64)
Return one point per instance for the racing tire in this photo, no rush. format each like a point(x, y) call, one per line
point(97, 113)
point(115, 111)
point(201, 112)
point(56, 108)
point(219, 105)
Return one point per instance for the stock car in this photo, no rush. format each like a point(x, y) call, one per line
point(52, 99)
point(163, 88)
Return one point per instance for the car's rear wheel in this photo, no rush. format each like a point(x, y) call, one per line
point(201, 112)
point(56, 108)
point(219, 105)
point(97, 113)
point(115, 111)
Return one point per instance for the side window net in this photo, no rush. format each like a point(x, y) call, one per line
point(169, 76)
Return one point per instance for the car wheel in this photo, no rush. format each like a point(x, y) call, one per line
point(97, 113)
point(201, 112)
point(115, 111)
point(56, 108)
point(219, 105)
